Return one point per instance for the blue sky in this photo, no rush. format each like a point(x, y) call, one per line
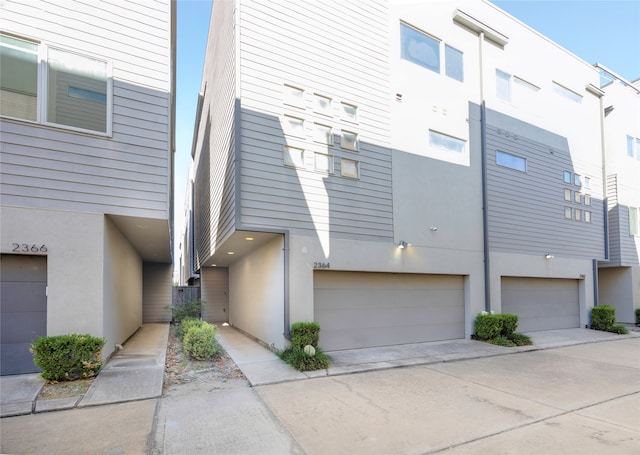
point(607, 32)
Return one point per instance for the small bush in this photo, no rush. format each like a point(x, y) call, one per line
point(508, 323)
point(502, 341)
point(520, 339)
point(487, 326)
point(68, 357)
point(186, 324)
point(637, 316)
point(603, 317)
point(620, 329)
point(304, 333)
point(302, 361)
point(198, 341)
point(188, 309)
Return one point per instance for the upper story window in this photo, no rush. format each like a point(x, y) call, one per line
point(633, 147)
point(349, 140)
point(511, 161)
point(294, 126)
point(293, 96)
point(322, 134)
point(453, 63)
point(564, 91)
point(420, 48)
point(322, 104)
point(349, 112)
point(503, 85)
point(424, 50)
point(634, 221)
point(445, 142)
point(54, 86)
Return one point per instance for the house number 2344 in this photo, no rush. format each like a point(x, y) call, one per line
point(26, 248)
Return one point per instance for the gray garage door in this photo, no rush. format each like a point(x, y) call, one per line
point(359, 309)
point(541, 303)
point(23, 310)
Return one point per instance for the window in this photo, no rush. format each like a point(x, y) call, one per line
point(638, 149)
point(446, 142)
point(526, 84)
point(564, 91)
point(587, 217)
point(349, 112)
point(567, 195)
point(294, 126)
point(568, 213)
point(511, 161)
point(634, 221)
point(578, 197)
point(503, 85)
point(587, 182)
point(349, 168)
point(294, 156)
point(322, 104)
point(293, 96)
point(578, 214)
point(453, 63)
point(323, 162)
point(322, 134)
point(568, 177)
point(633, 147)
point(349, 140)
point(76, 89)
point(587, 199)
point(419, 48)
point(577, 180)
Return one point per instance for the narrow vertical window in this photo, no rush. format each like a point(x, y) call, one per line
point(567, 195)
point(503, 85)
point(568, 178)
point(630, 146)
point(587, 217)
point(577, 180)
point(638, 149)
point(453, 63)
point(568, 214)
point(419, 48)
point(18, 78)
point(634, 221)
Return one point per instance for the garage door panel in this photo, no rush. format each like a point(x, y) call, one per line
point(541, 303)
point(358, 309)
point(17, 359)
point(22, 296)
point(22, 327)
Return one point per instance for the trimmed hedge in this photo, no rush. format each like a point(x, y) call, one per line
point(68, 357)
point(487, 326)
point(305, 333)
point(186, 324)
point(603, 317)
point(499, 329)
point(198, 341)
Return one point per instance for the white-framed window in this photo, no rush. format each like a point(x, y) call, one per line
point(567, 195)
point(323, 162)
point(293, 96)
point(568, 213)
point(577, 180)
point(322, 104)
point(568, 177)
point(349, 140)
point(349, 168)
point(503, 85)
point(453, 63)
point(587, 199)
point(577, 197)
point(294, 156)
point(419, 48)
point(634, 221)
point(293, 126)
point(578, 214)
point(446, 142)
point(567, 93)
point(633, 147)
point(349, 112)
point(511, 161)
point(587, 182)
point(54, 86)
point(587, 216)
point(322, 134)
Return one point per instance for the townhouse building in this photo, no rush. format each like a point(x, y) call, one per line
point(393, 176)
point(86, 178)
point(619, 274)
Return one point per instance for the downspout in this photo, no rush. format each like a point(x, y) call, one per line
point(605, 193)
point(483, 157)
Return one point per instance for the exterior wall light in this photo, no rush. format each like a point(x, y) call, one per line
point(402, 245)
point(548, 256)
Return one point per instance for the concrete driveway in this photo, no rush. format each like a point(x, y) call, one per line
point(578, 399)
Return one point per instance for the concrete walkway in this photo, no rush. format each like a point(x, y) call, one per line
point(137, 371)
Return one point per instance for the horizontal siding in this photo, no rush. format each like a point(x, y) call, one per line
point(156, 292)
point(526, 209)
point(214, 161)
point(128, 173)
point(279, 45)
point(615, 257)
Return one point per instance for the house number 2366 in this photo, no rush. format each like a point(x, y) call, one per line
point(26, 248)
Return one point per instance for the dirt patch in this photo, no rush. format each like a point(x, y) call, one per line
point(66, 389)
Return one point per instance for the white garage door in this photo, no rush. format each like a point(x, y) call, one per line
point(541, 303)
point(360, 309)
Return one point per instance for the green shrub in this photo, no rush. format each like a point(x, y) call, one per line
point(188, 309)
point(304, 333)
point(487, 326)
point(502, 341)
point(508, 323)
point(637, 316)
point(186, 324)
point(68, 357)
point(302, 361)
point(620, 329)
point(603, 317)
point(520, 339)
point(198, 341)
